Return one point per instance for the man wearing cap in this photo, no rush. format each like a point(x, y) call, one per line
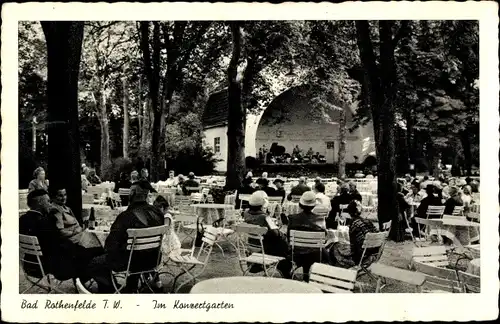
point(309, 222)
point(264, 186)
point(274, 242)
point(299, 189)
point(139, 214)
point(280, 190)
point(189, 183)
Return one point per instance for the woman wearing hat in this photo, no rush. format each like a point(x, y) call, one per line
point(274, 242)
point(264, 186)
point(309, 222)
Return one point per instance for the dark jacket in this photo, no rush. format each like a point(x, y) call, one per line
point(355, 195)
point(342, 199)
point(430, 200)
point(137, 215)
point(280, 193)
point(274, 242)
point(298, 190)
point(188, 184)
point(308, 222)
point(270, 191)
point(58, 254)
point(451, 203)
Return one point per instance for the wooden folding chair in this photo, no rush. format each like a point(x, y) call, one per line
point(81, 287)
point(187, 262)
point(186, 220)
point(458, 211)
point(250, 252)
point(470, 283)
point(88, 199)
point(372, 241)
point(140, 240)
point(305, 239)
point(431, 255)
point(332, 279)
point(435, 211)
point(29, 246)
point(438, 280)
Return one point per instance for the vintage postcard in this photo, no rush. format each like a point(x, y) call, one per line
point(213, 162)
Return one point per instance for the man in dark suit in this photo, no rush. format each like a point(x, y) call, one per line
point(189, 183)
point(139, 214)
point(299, 189)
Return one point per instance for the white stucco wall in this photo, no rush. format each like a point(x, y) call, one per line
point(210, 135)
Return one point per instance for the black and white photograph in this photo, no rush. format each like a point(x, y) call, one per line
point(249, 156)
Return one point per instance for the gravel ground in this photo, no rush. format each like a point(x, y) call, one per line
point(395, 254)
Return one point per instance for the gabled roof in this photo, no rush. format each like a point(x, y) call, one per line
point(215, 113)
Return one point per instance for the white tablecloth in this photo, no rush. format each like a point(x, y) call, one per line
point(253, 285)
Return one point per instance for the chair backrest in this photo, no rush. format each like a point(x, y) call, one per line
point(342, 208)
point(275, 199)
point(181, 200)
point(191, 189)
point(197, 198)
point(332, 279)
point(458, 211)
point(470, 283)
point(254, 234)
point(295, 198)
point(81, 288)
point(87, 199)
point(435, 211)
point(205, 191)
point(145, 239)
point(432, 255)
point(123, 191)
point(372, 241)
point(209, 238)
point(230, 199)
point(29, 245)
point(305, 239)
point(441, 279)
point(474, 208)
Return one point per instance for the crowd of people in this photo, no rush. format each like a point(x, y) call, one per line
point(278, 154)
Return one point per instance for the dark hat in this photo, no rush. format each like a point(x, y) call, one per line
point(262, 181)
point(278, 180)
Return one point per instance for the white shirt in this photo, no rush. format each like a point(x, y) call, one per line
point(323, 200)
point(171, 182)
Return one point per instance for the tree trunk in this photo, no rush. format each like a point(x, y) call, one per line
point(140, 109)
point(465, 140)
point(380, 94)
point(33, 124)
point(125, 118)
point(64, 46)
point(342, 143)
point(236, 116)
point(104, 121)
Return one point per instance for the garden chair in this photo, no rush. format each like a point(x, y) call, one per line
point(305, 239)
point(332, 279)
point(295, 198)
point(140, 240)
point(88, 199)
point(186, 221)
point(251, 249)
point(431, 255)
point(384, 271)
point(188, 262)
point(435, 211)
point(372, 241)
point(341, 218)
point(470, 283)
point(29, 246)
point(438, 280)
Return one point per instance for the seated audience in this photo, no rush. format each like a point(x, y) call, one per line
point(139, 214)
point(466, 198)
point(172, 180)
point(134, 176)
point(93, 178)
point(280, 190)
point(414, 195)
point(144, 174)
point(189, 183)
point(309, 222)
point(299, 189)
point(66, 222)
point(353, 192)
point(432, 199)
point(454, 200)
point(343, 198)
point(274, 242)
point(39, 181)
point(322, 199)
point(348, 256)
point(263, 184)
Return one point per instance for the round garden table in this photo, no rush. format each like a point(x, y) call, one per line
point(253, 285)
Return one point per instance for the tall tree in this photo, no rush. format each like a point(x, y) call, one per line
point(165, 64)
point(125, 118)
point(236, 115)
point(380, 79)
point(64, 46)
